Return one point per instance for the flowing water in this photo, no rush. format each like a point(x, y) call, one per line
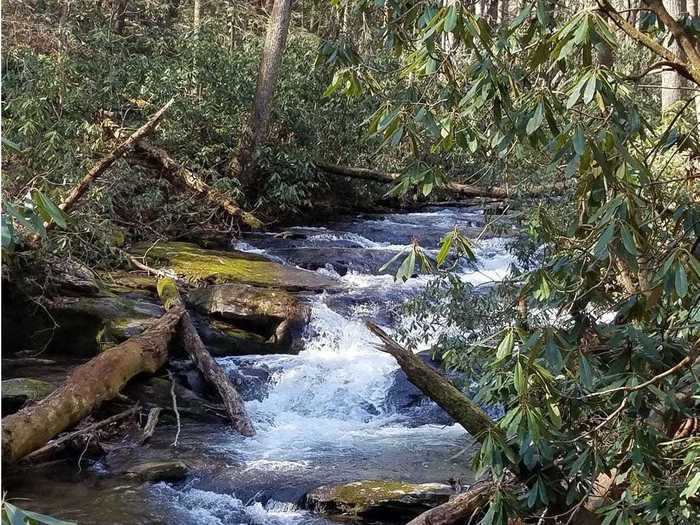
point(323, 416)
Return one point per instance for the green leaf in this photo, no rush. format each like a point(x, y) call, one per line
point(628, 240)
point(600, 250)
point(579, 141)
point(681, 281)
point(589, 93)
point(519, 379)
point(585, 373)
point(536, 120)
point(48, 209)
point(451, 19)
point(445, 245)
point(522, 16)
point(390, 261)
point(505, 348)
point(407, 266)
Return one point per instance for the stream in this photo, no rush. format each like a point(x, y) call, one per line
point(333, 413)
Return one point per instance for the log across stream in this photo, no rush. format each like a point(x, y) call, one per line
point(339, 411)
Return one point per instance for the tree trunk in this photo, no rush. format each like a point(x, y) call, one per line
point(270, 62)
point(107, 161)
point(196, 16)
point(459, 509)
point(120, 8)
point(671, 81)
point(505, 12)
point(492, 12)
point(178, 174)
point(92, 383)
point(464, 190)
point(210, 369)
point(436, 387)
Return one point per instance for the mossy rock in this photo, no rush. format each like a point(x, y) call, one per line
point(377, 500)
point(19, 390)
point(88, 323)
point(121, 281)
point(216, 266)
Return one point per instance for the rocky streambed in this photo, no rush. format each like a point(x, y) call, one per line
point(284, 314)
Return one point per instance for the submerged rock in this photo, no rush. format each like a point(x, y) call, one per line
point(173, 470)
point(19, 390)
point(376, 500)
point(200, 265)
point(406, 399)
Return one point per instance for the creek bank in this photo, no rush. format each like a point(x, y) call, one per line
point(377, 500)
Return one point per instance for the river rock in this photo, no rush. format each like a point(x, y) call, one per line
point(154, 471)
point(19, 390)
point(376, 500)
point(86, 323)
point(259, 307)
point(223, 339)
point(216, 266)
point(408, 400)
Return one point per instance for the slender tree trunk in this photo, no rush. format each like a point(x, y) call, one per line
point(492, 12)
point(196, 16)
point(270, 62)
point(671, 81)
point(694, 11)
point(120, 8)
point(505, 12)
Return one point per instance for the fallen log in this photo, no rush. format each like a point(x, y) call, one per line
point(98, 380)
point(438, 388)
point(178, 175)
point(212, 372)
point(44, 453)
point(107, 161)
point(459, 509)
point(464, 190)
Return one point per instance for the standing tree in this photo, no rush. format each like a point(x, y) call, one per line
point(671, 81)
point(243, 166)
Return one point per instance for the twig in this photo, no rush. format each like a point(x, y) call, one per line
point(151, 423)
point(177, 414)
point(683, 362)
point(60, 441)
point(87, 444)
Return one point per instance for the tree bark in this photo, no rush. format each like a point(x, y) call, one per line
point(210, 369)
point(459, 509)
point(99, 168)
point(120, 8)
point(178, 174)
point(196, 17)
point(672, 82)
point(98, 380)
point(465, 190)
point(270, 61)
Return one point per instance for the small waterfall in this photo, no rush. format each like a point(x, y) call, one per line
point(325, 416)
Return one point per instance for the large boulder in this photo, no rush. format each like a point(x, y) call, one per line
point(216, 266)
point(383, 501)
point(17, 391)
point(275, 315)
